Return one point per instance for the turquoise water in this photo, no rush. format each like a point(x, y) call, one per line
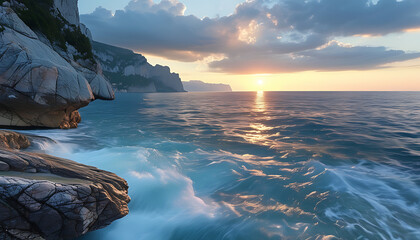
point(267, 165)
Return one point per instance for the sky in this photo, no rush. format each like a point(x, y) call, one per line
point(271, 45)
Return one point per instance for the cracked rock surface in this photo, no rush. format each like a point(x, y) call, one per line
point(39, 87)
point(45, 197)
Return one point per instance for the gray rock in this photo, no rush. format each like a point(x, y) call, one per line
point(86, 31)
point(68, 9)
point(37, 86)
point(30, 170)
point(6, 4)
point(9, 19)
point(4, 166)
point(100, 87)
point(65, 201)
point(42, 86)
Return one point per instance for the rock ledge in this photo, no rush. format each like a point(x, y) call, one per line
point(45, 197)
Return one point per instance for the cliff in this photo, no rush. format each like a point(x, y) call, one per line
point(129, 71)
point(45, 197)
point(47, 69)
point(200, 86)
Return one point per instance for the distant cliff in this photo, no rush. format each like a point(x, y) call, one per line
point(200, 86)
point(129, 71)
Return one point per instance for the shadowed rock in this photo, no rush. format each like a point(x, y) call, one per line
point(45, 197)
point(129, 71)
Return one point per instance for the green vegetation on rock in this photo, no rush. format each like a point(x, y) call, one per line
point(39, 16)
point(124, 82)
point(79, 41)
point(119, 55)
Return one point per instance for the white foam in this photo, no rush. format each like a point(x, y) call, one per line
point(163, 199)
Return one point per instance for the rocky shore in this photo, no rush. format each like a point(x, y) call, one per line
point(45, 197)
point(47, 72)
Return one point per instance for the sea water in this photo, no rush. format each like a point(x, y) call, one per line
point(256, 165)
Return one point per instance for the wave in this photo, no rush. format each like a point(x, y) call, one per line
point(245, 166)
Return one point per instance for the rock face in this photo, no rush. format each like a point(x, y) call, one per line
point(131, 72)
point(44, 197)
point(200, 86)
point(68, 9)
point(42, 85)
point(12, 140)
point(37, 86)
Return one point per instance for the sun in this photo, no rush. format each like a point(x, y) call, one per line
point(260, 82)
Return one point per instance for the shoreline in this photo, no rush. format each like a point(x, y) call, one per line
point(54, 198)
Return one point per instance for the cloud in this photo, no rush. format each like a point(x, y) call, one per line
point(261, 35)
point(159, 32)
point(345, 18)
point(332, 57)
point(171, 6)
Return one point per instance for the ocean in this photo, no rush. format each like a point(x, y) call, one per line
point(256, 165)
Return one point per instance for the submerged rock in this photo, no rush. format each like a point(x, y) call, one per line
point(45, 197)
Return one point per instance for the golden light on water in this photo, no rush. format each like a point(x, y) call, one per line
point(259, 102)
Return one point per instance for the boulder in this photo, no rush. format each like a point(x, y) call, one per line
point(45, 197)
point(37, 86)
point(41, 86)
point(100, 87)
point(13, 140)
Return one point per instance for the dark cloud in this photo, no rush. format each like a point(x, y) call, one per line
point(261, 35)
point(332, 57)
point(348, 17)
point(185, 38)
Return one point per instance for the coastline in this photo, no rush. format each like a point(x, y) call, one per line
point(47, 197)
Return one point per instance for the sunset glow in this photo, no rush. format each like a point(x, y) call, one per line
point(209, 119)
point(235, 47)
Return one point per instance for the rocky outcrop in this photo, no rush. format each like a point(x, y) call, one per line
point(45, 197)
point(42, 85)
point(37, 86)
point(129, 71)
point(13, 140)
point(68, 9)
point(86, 31)
point(200, 86)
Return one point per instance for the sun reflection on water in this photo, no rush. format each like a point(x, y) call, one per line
point(260, 102)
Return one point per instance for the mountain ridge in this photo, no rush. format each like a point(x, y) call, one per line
point(130, 72)
point(200, 86)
